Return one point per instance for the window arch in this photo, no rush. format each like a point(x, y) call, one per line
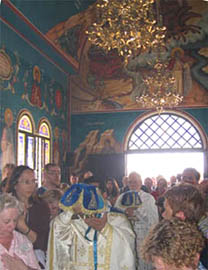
point(25, 140)
point(33, 147)
point(168, 132)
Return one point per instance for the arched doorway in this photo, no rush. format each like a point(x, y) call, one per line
point(165, 144)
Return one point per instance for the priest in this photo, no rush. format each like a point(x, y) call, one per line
point(89, 235)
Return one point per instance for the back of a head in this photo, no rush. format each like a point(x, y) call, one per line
point(188, 199)
point(178, 243)
point(52, 195)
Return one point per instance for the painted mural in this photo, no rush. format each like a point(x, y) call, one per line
point(104, 84)
point(95, 142)
point(7, 140)
point(29, 81)
point(37, 88)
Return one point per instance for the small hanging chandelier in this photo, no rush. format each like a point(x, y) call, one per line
point(161, 90)
point(161, 87)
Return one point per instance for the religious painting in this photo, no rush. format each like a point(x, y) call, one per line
point(95, 142)
point(31, 83)
point(5, 66)
point(7, 140)
point(35, 97)
point(103, 83)
point(9, 70)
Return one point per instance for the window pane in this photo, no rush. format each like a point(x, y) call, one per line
point(47, 151)
point(165, 131)
point(44, 130)
point(25, 124)
point(21, 149)
point(30, 152)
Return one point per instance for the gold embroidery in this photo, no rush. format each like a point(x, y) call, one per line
point(82, 250)
point(51, 247)
point(109, 237)
point(91, 258)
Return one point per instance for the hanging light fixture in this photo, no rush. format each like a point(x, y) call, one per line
point(161, 90)
point(132, 27)
point(129, 26)
point(161, 87)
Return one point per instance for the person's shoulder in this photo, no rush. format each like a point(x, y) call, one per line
point(40, 206)
point(22, 239)
point(146, 196)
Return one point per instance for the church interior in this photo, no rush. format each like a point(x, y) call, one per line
point(66, 100)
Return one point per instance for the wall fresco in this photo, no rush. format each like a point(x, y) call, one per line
point(28, 81)
point(103, 84)
point(37, 88)
point(95, 142)
point(7, 140)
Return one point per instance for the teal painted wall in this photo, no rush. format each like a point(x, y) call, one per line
point(82, 124)
point(16, 91)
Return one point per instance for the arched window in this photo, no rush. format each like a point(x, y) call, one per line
point(43, 146)
point(26, 141)
point(169, 139)
point(33, 148)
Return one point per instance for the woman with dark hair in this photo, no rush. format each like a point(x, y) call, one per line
point(34, 223)
point(112, 190)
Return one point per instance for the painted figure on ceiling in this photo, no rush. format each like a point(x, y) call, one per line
point(103, 84)
point(180, 68)
point(35, 98)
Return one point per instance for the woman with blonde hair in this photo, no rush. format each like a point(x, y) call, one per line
point(16, 250)
point(52, 198)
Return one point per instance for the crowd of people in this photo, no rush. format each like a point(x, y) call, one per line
point(83, 224)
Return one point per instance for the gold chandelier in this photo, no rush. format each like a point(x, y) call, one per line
point(161, 90)
point(133, 27)
point(129, 26)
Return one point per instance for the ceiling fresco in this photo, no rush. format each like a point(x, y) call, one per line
point(101, 82)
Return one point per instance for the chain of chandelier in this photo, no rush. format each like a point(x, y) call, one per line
point(132, 27)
